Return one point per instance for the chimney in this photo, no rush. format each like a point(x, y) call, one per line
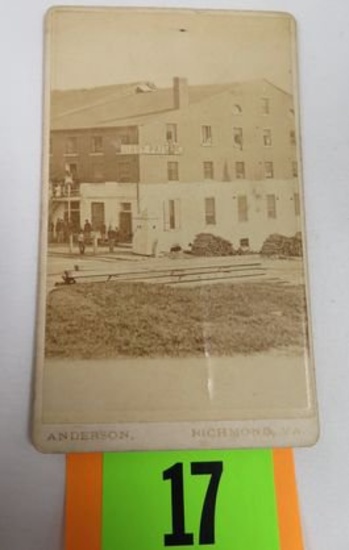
point(180, 93)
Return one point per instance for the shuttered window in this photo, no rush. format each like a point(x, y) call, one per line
point(271, 206)
point(240, 170)
point(210, 211)
point(269, 170)
point(242, 208)
point(208, 170)
point(172, 171)
point(172, 214)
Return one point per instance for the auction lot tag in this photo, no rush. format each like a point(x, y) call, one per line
point(228, 500)
point(189, 499)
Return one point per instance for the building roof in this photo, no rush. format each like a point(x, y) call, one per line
point(126, 104)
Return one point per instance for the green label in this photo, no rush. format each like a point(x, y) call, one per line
point(189, 499)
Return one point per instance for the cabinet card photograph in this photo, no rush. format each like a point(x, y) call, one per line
point(173, 305)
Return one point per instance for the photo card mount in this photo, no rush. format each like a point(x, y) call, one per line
point(173, 307)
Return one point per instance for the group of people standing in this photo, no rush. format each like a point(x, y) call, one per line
point(61, 231)
point(88, 236)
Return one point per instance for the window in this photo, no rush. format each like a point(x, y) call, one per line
point(295, 169)
point(126, 135)
point(244, 243)
point(172, 171)
point(238, 138)
point(267, 140)
point(97, 144)
point(126, 206)
point(271, 206)
point(242, 208)
point(73, 214)
point(206, 135)
point(71, 146)
point(237, 110)
point(98, 173)
point(269, 170)
point(208, 170)
point(171, 214)
point(124, 138)
point(292, 137)
point(124, 171)
point(72, 170)
point(240, 170)
point(297, 205)
point(265, 105)
point(97, 215)
point(210, 211)
point(171, 133)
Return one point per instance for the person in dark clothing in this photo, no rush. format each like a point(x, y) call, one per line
point(81, 242)
point(87, 232)
point(60, 230)
point(112, 237)
point(103, 232)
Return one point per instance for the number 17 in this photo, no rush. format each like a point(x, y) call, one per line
point(179, 537)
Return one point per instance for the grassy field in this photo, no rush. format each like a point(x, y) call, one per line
point(113, 319)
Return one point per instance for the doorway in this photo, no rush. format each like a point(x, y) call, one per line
point(125, 222)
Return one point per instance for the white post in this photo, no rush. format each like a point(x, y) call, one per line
point(94, 240)
point(68, 181)
point(70, 237)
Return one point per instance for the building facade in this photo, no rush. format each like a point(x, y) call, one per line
point(166, 164)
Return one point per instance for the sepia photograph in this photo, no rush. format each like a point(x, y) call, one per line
point(173, 305)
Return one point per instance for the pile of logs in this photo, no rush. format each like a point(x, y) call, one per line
point(206, 244)
point(281, 246)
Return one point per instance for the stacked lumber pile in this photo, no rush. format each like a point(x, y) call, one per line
point(206, 244)
point(281, 246)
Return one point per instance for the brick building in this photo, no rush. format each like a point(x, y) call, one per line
point(166, 164)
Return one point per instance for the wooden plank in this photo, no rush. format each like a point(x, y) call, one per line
point(160, 273)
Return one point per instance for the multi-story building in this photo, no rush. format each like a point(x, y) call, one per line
point(166, 164)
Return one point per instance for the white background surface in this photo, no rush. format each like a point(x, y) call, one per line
point(32, 485)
